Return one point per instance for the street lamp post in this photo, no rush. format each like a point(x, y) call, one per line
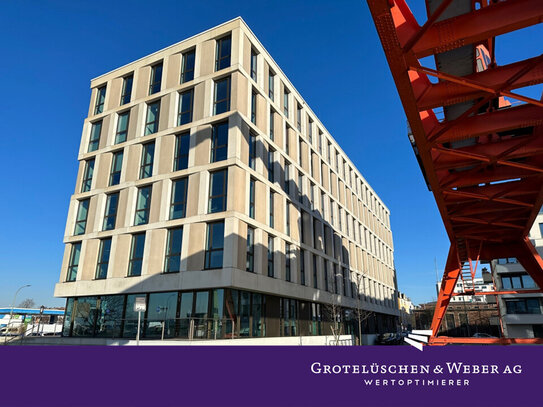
point(13, 305)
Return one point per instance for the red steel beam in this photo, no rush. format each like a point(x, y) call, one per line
point(499, 292)
point(447, 93)
point(488, 22)
point(448, 282)
point(446, 340)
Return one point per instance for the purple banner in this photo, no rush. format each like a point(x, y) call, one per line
point(271, 376)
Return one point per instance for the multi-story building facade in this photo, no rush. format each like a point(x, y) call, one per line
point(209, 187)
point(478, 284)
point(521, 313)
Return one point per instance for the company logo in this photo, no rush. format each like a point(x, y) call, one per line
point(417, 337)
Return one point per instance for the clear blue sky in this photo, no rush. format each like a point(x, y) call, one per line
point(329, 50)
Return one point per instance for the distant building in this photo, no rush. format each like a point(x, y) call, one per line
point(522, 313)
point(478, 284)
point(463, 319)
point(406, 309)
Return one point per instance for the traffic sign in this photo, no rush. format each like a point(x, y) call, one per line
point(139, 304)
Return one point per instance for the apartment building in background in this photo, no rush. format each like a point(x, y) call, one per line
point(208, 186)
point(522, 312)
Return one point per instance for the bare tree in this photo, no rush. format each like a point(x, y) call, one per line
point(28, 303)
point(359, 313)
point(332, 313)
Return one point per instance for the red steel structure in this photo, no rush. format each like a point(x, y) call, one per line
point(483, 160)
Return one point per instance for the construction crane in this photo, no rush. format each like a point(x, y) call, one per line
point(481, 156)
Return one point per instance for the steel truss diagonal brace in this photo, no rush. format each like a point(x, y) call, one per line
point(450, 276)
point(530, 260)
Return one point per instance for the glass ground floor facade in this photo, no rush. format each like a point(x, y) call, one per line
point(213, 314)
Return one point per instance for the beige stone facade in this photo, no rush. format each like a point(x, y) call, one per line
point(333, 214)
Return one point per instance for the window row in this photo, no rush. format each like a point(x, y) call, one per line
point(221, 104)
point(213, 258)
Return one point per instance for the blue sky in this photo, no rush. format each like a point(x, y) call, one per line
point(329, 50)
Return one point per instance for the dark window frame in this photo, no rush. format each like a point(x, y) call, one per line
point(215, 148)
point(81, 223)
point(209, 250)
point(219, 57)
point(94, 137)
point(223, 196)
point(154, 82)
point(180, 156)
point(182, 203)
point(254, 64)
point(152, 127)
point(145, 210)
point(122, 134)
point(73, 264)
point(109, 213)
point(250, 262)
point(170, 253)
point(181, 114)
point(252, 193)
point(187, 74)
point(88, 173)
point(271, 255)
point(99, 273)
point(133, 259)
point(217, 109)
point(146, 164)
point(100, 99)
point(113, 171)
point(126, 93)
point(252, 151)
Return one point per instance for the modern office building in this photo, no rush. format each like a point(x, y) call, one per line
point(208, 186)
point(521, 313)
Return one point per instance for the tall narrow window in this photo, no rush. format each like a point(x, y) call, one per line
point(271, 85)
point(287, 140)
point(214, 245)
point(156, 78)
point(74, 262)
point(252, 183)
point(122, 127)
point(272, 125)
point(143, 206)
point(86, 182)
point(302, 266)
point(288, 254)
point(287, 179)
point(221, 100)
point(270, 257)
point(147, 158)
point(315, 275)
point(182, 146)
point(136, 254)
point(81, 218)
point(285, 102)
point(222, 54)
point(302, 227)
point(310, 131)
point(320, 142)
point(151, 120)
point(336, 278)
point(94, 140)
point(344, 275)
point(326, 285)
point(185, 107)
point(299, 118)
point(300, 188)
point(219, 142)
point(287, 219)
point(103, 259)
point(187, 66)
point(110, 216)
point(173, 250)
point(116, 167)
point(271, 165)
point(100, 100)
point(217, 191)
point(253, 106)
point(179, 198)
point(250, 266)
point(300, 151)
point(254, 59)
point(312, 195)
point(252, 150)
point(126, 93)
point(271, 210)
